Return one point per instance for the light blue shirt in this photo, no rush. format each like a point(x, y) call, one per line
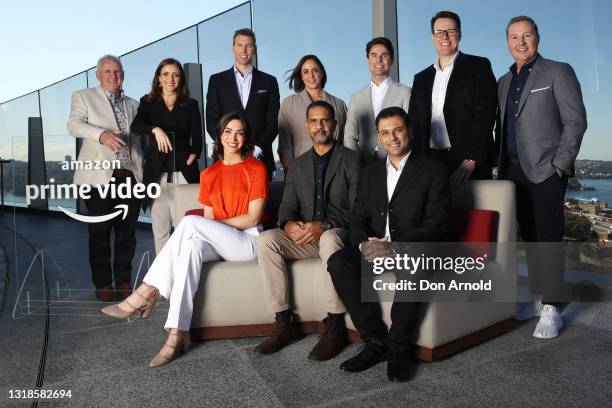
point(243, 83)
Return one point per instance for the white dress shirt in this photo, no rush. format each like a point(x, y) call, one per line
point(244, 84)
point(439, 134)
point(378, 94)
point(393, 176)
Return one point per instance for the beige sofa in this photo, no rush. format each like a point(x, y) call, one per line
point(230, 299)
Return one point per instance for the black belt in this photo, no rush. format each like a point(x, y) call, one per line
point(122, 173)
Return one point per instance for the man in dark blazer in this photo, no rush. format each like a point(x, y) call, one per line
point(453, 104)
point(540, 127)
point(320, 190)
point(244, 89)
point(405, 198)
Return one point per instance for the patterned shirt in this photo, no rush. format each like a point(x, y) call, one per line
point(119, 109)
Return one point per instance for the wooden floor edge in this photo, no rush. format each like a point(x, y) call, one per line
point(422, 353)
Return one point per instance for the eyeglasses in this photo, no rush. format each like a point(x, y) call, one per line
point(451, 32)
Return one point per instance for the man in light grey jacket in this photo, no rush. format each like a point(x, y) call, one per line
point(382, 92)
point(101, 118)
point(541, 124)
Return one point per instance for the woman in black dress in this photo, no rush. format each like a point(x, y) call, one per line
point(172, 127)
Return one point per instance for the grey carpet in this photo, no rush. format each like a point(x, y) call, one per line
point(104, 362)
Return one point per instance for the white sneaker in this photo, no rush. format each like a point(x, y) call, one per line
point(550, 323)
point(527, 310)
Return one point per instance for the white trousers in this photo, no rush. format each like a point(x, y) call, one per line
point(176, 269)
point(162, 209)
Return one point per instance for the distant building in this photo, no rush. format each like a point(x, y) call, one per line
point(588, 208)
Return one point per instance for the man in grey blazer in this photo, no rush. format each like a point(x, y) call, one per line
point(101, 118)
point(541, 124)
point(320, 189)
point(382, 92)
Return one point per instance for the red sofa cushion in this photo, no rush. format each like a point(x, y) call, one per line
point(475, 226)
point(195, 211)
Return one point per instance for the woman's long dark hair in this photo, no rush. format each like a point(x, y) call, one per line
point(247, 147)
point(156, 91)
point(295, 79)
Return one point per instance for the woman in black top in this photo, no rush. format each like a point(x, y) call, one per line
point(172, 126)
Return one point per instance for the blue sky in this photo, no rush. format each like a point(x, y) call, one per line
point(46, 41)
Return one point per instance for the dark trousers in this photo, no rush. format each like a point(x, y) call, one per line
point(539, 209)
point(345, 269)
point(481, 171)
point(100, 236)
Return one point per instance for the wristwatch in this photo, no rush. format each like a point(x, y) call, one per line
point(326, 225)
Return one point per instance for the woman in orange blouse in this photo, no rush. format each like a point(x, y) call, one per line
point(233, 191)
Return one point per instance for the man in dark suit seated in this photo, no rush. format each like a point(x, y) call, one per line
point(320, 190)
point(453, 104)
point(246, 90)
point(405, 198)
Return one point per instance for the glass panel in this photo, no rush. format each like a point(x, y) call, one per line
point(215, 36)
point(483, 27)
point(14, 124)
point(587, 49)
point(140, 65)
point(60, 147)
point(338, 41)
point(16, 172)
point(92, 81)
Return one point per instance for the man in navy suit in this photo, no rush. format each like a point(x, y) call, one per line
point(244, 89)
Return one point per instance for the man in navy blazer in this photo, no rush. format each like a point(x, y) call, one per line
point(541, 124)
point(453, 104)
point(246, 90)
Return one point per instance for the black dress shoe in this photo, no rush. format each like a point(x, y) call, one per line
point(369, 356)
point(400, 366)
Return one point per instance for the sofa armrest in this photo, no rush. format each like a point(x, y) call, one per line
point(185, 199)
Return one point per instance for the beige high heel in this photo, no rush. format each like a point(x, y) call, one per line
point(180, 347)
point(144, 309)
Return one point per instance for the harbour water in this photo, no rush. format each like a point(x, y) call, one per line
point(603, 190)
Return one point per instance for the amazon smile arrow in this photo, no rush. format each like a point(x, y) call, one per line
point(98, 218)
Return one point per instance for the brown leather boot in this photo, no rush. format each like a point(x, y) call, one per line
point(333, 339)
point(123, 291)
point(105, 294)
point(287, 331)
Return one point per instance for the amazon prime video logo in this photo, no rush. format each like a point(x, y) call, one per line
point(112, 190)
